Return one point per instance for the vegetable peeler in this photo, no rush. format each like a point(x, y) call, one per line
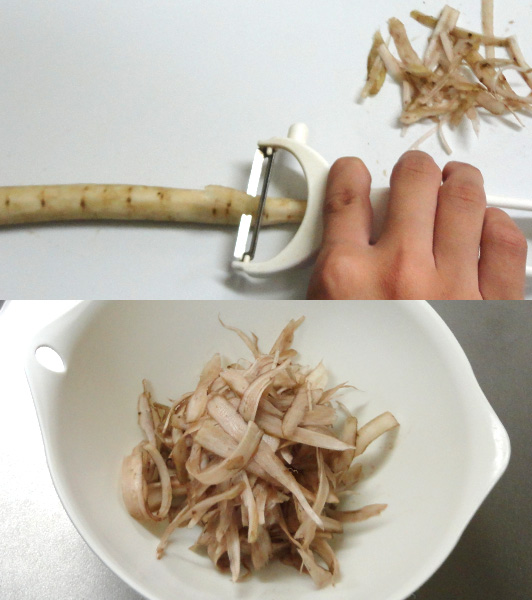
point(306, 241)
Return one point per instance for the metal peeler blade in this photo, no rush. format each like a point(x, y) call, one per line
point(243, 251)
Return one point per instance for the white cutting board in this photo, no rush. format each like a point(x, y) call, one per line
point(176, 93)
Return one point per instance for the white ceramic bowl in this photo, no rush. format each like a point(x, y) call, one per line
point(434, 473)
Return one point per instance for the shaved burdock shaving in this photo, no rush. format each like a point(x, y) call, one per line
point(252, 457)
point(453, 79)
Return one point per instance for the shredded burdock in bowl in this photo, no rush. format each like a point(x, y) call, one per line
point(453, 79)
point(252, 457)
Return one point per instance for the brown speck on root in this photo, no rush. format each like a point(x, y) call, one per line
point(214, 212)
point(43, 202)
point(128, 199)
point(82, 203)
point(8, 201)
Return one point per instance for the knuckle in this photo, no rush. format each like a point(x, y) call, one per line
point(333, 274)
point(464, 170)
point(399, 287)
point(333, 268)
point(404, 275)
point(474, 173)
point(346, 162)
point(505, 233)
point(348, 180)
point(328, 274)
point(513, 238)
point(417, 165)
point(337, 199)
point(465, 195)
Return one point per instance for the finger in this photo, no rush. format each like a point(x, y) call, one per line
point(458, 225)
point(347, 208)
point(502, 264)
point(414, 186)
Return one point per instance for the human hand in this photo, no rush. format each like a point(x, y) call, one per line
point(429, 247)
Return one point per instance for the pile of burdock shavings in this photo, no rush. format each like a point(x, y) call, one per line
point(453, 79)
point(251, 457)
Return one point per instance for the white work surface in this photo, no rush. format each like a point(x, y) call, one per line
point(177, 93)
point(42, 555)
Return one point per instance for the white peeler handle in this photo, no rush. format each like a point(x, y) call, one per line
point(307, 238)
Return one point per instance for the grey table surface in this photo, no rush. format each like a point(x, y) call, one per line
point(42, 555)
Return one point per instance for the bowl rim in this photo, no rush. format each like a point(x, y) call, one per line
point(82, 314)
